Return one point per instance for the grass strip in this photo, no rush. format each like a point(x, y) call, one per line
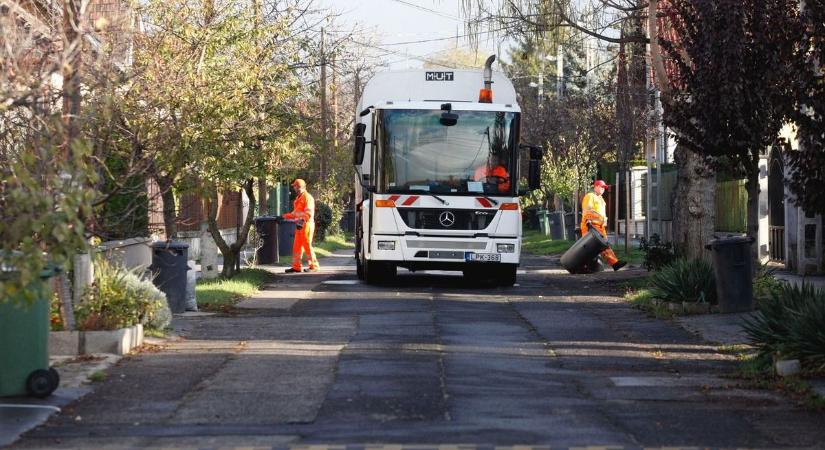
point(221, 293)
point(332, 244)
point(539, 244)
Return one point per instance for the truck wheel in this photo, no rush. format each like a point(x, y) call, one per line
point(359, 267)
point(378, 272)
point(506, 277)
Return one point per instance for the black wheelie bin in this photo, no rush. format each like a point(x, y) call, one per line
point(583, 256)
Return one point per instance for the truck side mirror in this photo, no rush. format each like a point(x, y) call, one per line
point(360, 144)
point(534, 174)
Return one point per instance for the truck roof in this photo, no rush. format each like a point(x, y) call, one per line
point(434, 85)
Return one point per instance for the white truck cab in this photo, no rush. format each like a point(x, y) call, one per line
point(439, 174)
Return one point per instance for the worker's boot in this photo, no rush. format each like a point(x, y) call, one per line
point(291, 270)
point(619, 265)
point(311, 269)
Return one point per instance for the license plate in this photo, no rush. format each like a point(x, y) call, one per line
point(482, 257)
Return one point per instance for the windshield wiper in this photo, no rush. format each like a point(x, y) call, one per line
point(421, 191)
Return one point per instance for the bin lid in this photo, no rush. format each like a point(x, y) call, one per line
point(171, 245)
point(730, 240)
point(266, 219)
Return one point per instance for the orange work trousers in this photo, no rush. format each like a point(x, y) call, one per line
point(607, 254)
point(303, 244)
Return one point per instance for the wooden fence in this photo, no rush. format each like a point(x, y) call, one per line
point(191, 210)
point(731, 206)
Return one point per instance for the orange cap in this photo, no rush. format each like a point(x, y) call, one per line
point(299, 182)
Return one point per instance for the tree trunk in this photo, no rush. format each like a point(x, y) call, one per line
point(262, 194)
point(231, 253)
point(169, 208)
point(693, 204)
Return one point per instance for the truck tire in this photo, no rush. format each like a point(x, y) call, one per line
point(359, 268)
point(378, 272)
point(506, 276)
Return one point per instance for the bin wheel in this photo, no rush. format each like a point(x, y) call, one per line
point(55, 376)
point(41, 383)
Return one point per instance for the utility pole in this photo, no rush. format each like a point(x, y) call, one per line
point(559, 70)
point(324, 118)
point(334, 108)
point(72, 46)
point(624, 111)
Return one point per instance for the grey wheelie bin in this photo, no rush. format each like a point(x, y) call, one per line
point(267, 229)
point(24, 340)
point(169, 266)
point(556, 221)
point(733, 268)
point(286, 237)
point(544, 223)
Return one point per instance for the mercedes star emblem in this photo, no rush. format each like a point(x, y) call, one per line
point(447, 219)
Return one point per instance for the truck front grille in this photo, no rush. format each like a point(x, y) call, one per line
point(447, 219)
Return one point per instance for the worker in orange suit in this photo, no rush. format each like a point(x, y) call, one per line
point(494, 171)
point(594, 214)
point(303, 212)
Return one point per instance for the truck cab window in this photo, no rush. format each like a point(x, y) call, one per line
point(474, 156)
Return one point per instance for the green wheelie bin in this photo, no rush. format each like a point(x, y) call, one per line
point(24, 341)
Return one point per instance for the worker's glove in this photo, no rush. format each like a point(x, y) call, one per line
point(299, 224)
point(589, 224)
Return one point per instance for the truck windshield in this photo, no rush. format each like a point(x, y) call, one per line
point(477, 155)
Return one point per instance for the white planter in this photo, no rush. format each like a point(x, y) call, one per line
point(116, 342)
point(64, 343)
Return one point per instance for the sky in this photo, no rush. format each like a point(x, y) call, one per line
point(398, 24)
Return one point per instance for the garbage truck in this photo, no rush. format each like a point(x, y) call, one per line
point(439, 172)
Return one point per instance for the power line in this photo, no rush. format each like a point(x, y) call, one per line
point(432, 11)
point(442, 39)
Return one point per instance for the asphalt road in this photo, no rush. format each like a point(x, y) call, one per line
point(323, 361)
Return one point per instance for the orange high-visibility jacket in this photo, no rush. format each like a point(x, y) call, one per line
point(303, 208)
point(594, 209)
point(498, 171)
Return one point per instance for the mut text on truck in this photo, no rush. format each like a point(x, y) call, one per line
point(439, 174)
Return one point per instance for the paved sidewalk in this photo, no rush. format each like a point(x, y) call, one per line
point(817, 280)
point(20, 414)
point(723, 329)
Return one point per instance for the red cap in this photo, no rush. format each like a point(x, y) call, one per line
point(601, 183)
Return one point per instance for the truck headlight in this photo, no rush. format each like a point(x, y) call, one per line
point(386, 245)
point(506, 248)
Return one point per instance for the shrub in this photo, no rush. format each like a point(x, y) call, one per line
point(685, 281)
point(791, 325)
point(657, 254)
point(119, 298)
point(323, 219)
point(765, 284)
